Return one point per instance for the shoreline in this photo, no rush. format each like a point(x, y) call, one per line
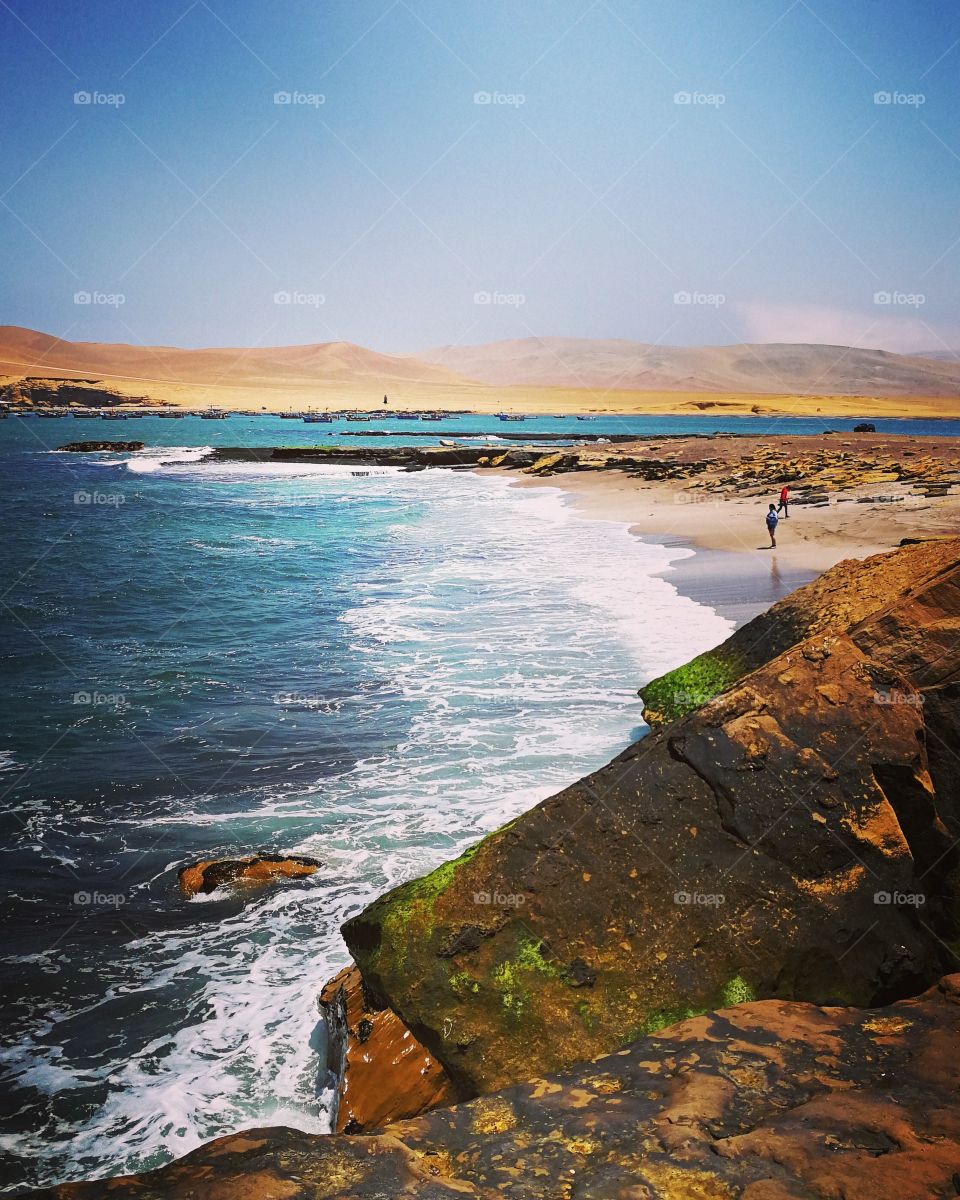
point(732, 583)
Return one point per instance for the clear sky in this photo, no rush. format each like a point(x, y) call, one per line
point(733, 153)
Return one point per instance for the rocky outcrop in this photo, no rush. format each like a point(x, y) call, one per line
point(765, 1101)
point(367, 1043)
point(206, 876)
point(91, 447)
point(794, 837)
point(37, 392)
point(832, 604)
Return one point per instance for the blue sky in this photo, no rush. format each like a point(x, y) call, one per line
point(457, 171)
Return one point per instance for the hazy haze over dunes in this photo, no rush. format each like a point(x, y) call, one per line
point(634, 366)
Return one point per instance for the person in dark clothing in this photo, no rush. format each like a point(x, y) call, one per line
point(784, 501)
point(772, 520)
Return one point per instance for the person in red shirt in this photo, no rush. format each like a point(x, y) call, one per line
point(784, 499)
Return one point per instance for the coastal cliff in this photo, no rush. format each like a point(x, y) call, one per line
point(794, 837)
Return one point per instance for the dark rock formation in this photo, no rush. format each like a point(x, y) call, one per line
point(795, 837)
point(865, 427)
point(366, 1043)
point(90, 447)
point(765, 1101)
point(256, 871)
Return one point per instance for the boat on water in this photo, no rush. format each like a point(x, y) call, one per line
point(586, 418)
point(214, 415)
point(50, 415)
point(292, 416)
point(86, 416)
point(357, 417)
point(432, 416)
point(318, 418)
point(408, 416)
point(168, 416)
point(113, 416)
point(510, 417)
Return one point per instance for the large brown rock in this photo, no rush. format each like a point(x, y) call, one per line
point(795, 837)
point(765, 1101)
point(367, 1044)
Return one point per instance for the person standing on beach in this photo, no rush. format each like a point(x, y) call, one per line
point(784, 499)
point(772, 520)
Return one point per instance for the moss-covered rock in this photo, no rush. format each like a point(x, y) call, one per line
point(834, 602)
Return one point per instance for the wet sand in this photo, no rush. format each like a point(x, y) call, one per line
point(734, 569)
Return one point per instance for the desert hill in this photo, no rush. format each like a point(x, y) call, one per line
point(636, 366)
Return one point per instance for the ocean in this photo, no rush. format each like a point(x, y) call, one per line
point(370, 667)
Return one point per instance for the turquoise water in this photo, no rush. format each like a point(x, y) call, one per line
point(268, 430)
point(374, 669)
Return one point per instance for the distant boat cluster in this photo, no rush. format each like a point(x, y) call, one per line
point(310, 417)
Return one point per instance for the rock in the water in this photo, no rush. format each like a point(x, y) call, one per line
point(256, 871)
point(765, 1101)
point(368, 1043)
point(865, 427)
point(90, 447)
point(795, 837)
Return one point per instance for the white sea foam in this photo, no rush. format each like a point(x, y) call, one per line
point(163, 457)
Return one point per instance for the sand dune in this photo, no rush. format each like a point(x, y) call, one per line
point(635, 366)
point(25, 351)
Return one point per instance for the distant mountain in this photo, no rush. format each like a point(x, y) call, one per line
point(25, 351)
point(635, 366)
point(601, 365)
point(940, 355)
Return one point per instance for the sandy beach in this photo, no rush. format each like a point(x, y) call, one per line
point(735, 570)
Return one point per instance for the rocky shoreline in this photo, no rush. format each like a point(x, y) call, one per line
point(785, 837)
point(764, 1101)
